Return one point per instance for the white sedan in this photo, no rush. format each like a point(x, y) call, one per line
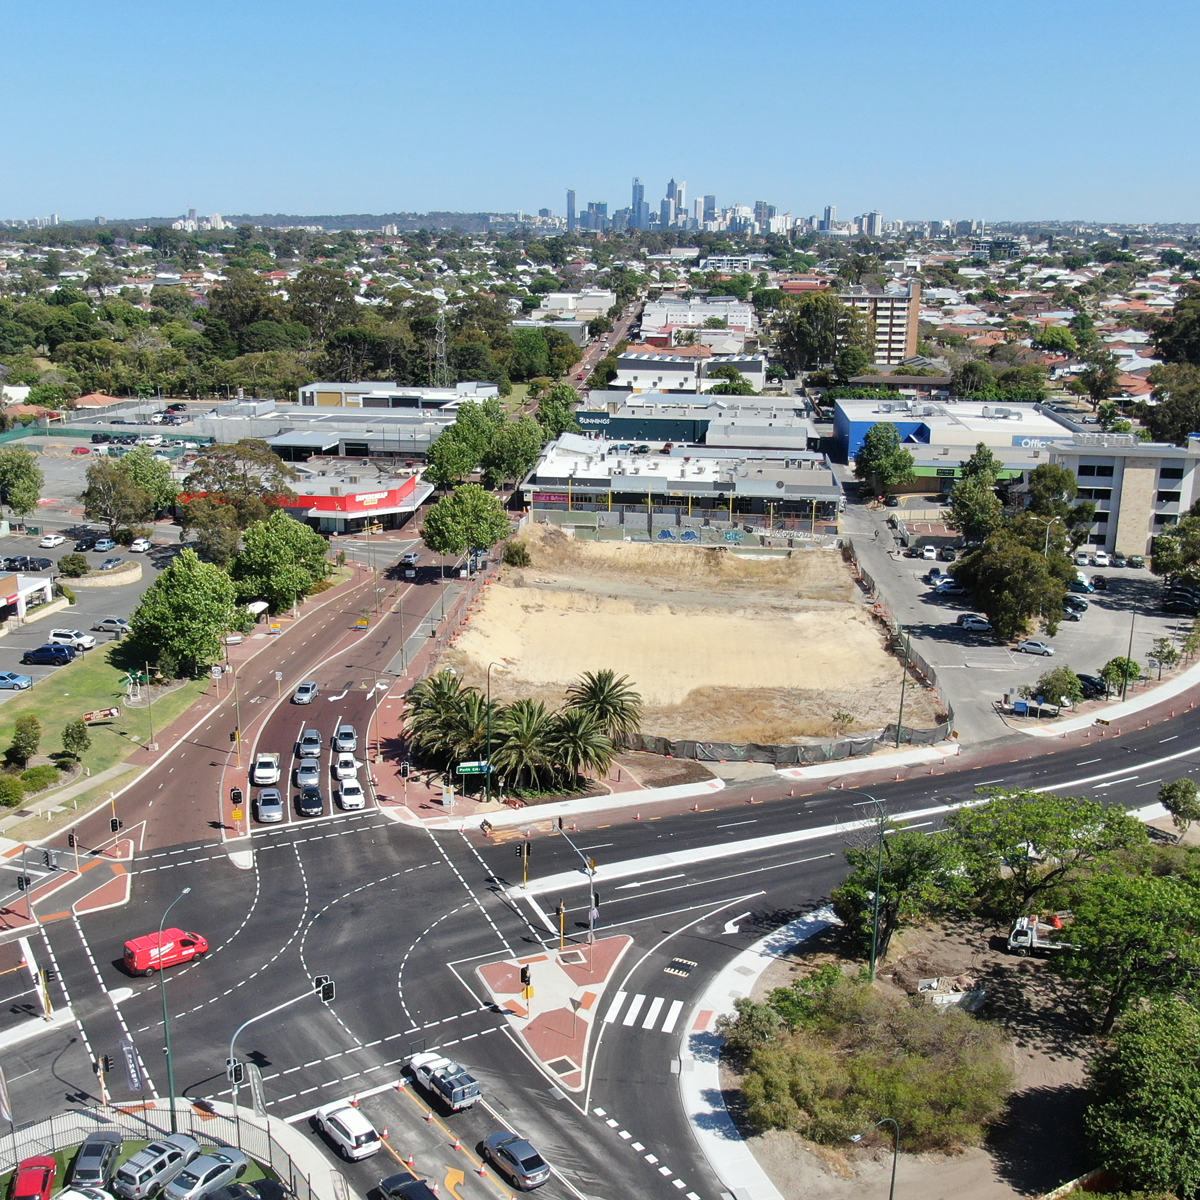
point(140, 545)
point(351, 795)
point(51, 540)
point(1032, 646)
point(346, 766)
point(1101, 559)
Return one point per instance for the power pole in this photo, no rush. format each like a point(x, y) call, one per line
point(441, 376)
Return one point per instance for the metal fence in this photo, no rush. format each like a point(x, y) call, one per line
point(136, 1123)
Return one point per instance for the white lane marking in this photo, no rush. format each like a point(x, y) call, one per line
point(652, 1012)
point(731, 824)
point(647, 882)
point(635, 1007)
point(613, 1009)
point(1116, 782)
point(668, 1026)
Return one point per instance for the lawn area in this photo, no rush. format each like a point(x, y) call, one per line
point(516, 401)
point(92, 682)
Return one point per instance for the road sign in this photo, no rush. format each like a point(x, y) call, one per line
point(133, 1067)
point(101, 714)
point(363, 623)
point(278, 676)
point(238, 813)
point(473, 768)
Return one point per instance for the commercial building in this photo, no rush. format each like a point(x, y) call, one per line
point(376, 393)
point(340, 498)
point(1139, 488)
point(575, 306)
point(685, 373)
point(894, 310)
point(724, 422)
point(672, 310)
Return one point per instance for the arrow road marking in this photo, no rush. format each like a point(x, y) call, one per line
point(339, 696)
point(732, 926)
point(453, 1180)
point(646, 882)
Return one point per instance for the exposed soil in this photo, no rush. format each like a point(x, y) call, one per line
point(720, 647)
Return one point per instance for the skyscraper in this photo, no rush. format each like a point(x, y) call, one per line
point(681, 201)
point(710, 208)
point(666, 215)
point(639, 210)
point(570, 210)
point(830, 218)
point(671, 190)
point(874, 224)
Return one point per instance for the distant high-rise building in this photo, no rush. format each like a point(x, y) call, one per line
point(666, 212)
point(54, 218)
point(874, 224)
point(710, 208)
point(639, 210)
point(570, 210)
point(191, 214)
point(671, 190)
point(681, 201)
point(543, 212)
point(830, 218)
point(698, 210)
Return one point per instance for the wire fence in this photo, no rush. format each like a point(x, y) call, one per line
point(137, 1123)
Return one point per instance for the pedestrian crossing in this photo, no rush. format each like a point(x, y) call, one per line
point(650, 1018)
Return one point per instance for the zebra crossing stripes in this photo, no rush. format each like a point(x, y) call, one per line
point(650, 1019)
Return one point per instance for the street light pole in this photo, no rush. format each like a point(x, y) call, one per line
point(858, 1137)
point(162, 987)
point(878, 877)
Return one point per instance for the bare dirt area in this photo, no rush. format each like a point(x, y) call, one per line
point(1037, 1144)
point(721, 647)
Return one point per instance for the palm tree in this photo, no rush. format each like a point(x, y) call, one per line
point(435, 710)
point(612, 701)
point(524, 753)
point(580, 743)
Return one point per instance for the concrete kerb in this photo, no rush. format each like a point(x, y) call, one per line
point(700, 1060)
point(860, 764)
point(1182, 682)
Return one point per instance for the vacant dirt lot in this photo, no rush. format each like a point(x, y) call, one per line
point(721, 648)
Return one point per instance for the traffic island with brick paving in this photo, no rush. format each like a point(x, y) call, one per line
point(566, 985)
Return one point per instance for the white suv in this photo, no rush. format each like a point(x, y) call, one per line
point(71, 637)
point(348, 1129)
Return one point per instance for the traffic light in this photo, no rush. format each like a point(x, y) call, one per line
point(405, 767)
point(115, 824)
point(103, 1063)
point(50, 859)
point(235, 1071)
point(71, 840)
point(325, 989)
point(24, 881)
point(526, 977)
point(50, 974)
point(524, 849)
point(233, 736)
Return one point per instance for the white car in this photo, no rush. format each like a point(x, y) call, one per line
point(140, 545)
point(346, 766)
point(348, 1129)
point(351, 795)
point(71, 637)
point(1032, 646)
point(51, 540)
point(1082, 559)
point(979, 624)
point(1101, 559)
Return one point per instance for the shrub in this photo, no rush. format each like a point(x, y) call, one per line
point(37, 779)
point(516, 554)
point(67, 593)
point(26, 737)
point(73, 566)
point(12, 791)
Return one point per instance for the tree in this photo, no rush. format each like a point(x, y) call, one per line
point(183, 616)
point(214, 526)
point(918, 877)
point(112, 496)
point(240, 300)
point(281, 561)
point(21, 480)
point(972, 378)
point(1181, 798)
point(1101, 375)
point(580, 744)
point(523, 755)
point(530, 356)
point(1178, 340)
point(152, 476)
point(12, 791)
point(76, 738)
point(1176, 411)
point(1163, 652)
point(451, 459)
point(1133, 938)
point(851, 360)
point(1058, 685)
point(975, 509)
point(1144, 1089)
point(513, 453)
point(467, 519)
point(1056, 339)
point(556, 411)
point(982, 464)
point(1021, 843)
point(322, 299)
point(882, 459)
point(1012, 583)
point(814, 327)
point(248, 475)
point(27, 736)
point(1118, 672)
point(611, 700)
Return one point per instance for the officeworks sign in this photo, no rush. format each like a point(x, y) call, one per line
point(1040, 443)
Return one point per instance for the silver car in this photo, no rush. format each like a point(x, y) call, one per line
point(345, 740)
point(514, 1157)
point(268, 808)
point(306, 693)
point(308, 773)
point(207, 1173)
point(153, 1167)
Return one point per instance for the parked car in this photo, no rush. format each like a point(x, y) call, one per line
point(310, 802)
point(207, 1173)
point(1118, 559)
point(1182, 608)
point(973, 622)
point(12, 682)
point(1075, 604)
point(351, 795)
point(1101, 559)
point(53, 539)
point(98, 439)
point(84, 450)
point(87, 542)
point(1033, 646)
point(103, 544)
point(348, 1129)
point(516, 1158)
point(345, 740)
point(1094, 688)
point(111, 625)
point(1083, 559)
point(1136, 561)
point(950, 587)
point(34, 1178)
point(71, 637)
point(1100, 583)
point(111, 564)
point(174, 408)
point(1080, 585)
point(934, 574)
point(154, 1166)
point(96, 1162)
point(309, 745)
point(140, 545)
point(929, 553)
point(268, 807)
point(48, 656)
point(306, 693)
point(149, 953)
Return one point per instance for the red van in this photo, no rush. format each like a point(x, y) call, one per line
point(147, 954)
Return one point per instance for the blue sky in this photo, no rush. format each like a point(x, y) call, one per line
point(998, 110)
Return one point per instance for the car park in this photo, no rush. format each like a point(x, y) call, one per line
point(153, 951)
point(972, 622)
point(51, 540)
point(1136, 561)
point(10, 681)
point(351, 795)
point(71, 637)
point(111, 625)
point(1101, 559)
point(111, 564)
point(103, 544)
point(268, 806)
point(34, 1178)
point(308, 772)
point(140, 545)
point(96, 1162)
point(516, 1159)
point(1033, 646)
point(154, 1166)
point(87, 542)
point(345, 740)
point(48, 656)
point(207, 1173)
point(348, 1129)
point(310, 802)
point(309, 745)
point(306, 693)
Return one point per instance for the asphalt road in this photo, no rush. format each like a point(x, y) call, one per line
point(400, 917)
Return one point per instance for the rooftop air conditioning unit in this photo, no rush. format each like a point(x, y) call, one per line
point(987, 411)
point(335, 491)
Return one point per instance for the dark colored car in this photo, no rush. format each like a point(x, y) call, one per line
point(174, 408)
point(405, 1187)
point(1118, 559)
point(1075, 604)
point(96, 1162)
point(1094, 688)
point(1100, 583)
point(18, 562)
point(87, 542)
point(40, 564)
point(98, 439)
point(947, 554)
point(310, 802)
point(51, 656)
point(1182, 608)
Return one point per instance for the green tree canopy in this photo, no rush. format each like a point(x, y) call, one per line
point(183, 616)
point(556, 411)
point(1178, 340)
point(113, 497)
point(513, 453)
point(1176, 411)
point(814, 327)
point(467, 519)
point(851, 360)
point(612, 700)
point(1181, 798)
point(214, 526)
point(21, 480)
point(281, 561)
point(27, 736)
point(248, 475)
point(882, 459)
point(322, 299)
point(150, 475)
point(1056, 339)
point(975, 509)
